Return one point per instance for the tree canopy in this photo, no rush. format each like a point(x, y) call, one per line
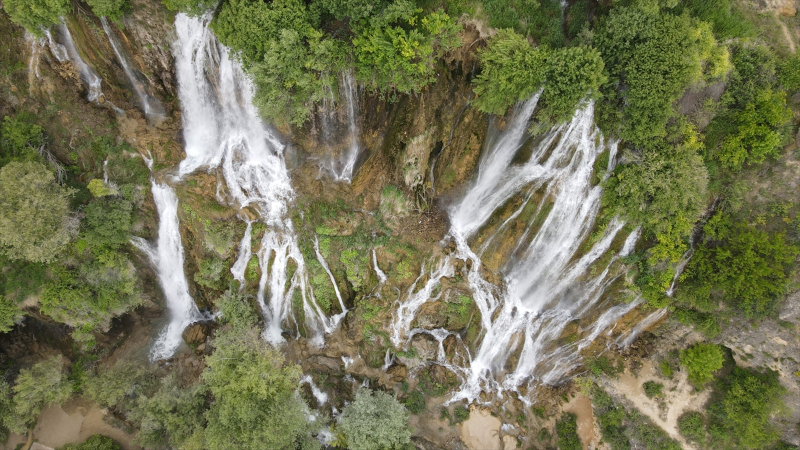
point(375, 421)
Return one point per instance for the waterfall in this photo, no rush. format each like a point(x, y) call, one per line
point(167, 258)
point(347, 166)
point(343, 147)
point(551, 276)
point(67, 51)
point(151, 106)
point(221, 128)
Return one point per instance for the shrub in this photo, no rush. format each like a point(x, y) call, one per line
point(567, 431)
point(35, 223)
point(108, 222)
point(460, 414)
point(511, 71)
point(692, 426)
point(113, 9)
point(95, 442)
point(397, 50)
point(36, 15)
point(171, 417)
point(120, 385)
point(739, 264)
point(19, 139)
point(652, 389)
point(743, 416)
point(255, 404)
point(38, 386)
point(702, 360)
point(573, 74)
point(236, 310)
point(374, 421)
point(415, 402)
point(603, 365)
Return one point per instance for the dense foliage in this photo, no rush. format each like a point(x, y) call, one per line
point(36, 15)
point(701, 361)
point(113, 9)
point(42, 384)
point(567, 432)
point(374, 421)
point(94, 442)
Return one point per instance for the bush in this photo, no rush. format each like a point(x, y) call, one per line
point(19, 139)
point(120, 385)
point(95, 442)
point(255, 404)
point(397, 50)
point(415, 402)
point(702, 360)
point(236, 310)
point(108, 222)
point(36, 15)
point(692, 426)
point(171, 417)
point(113, 9)
point(511, 71)
point(603, 365)
point(652, 389)
point(35, 222)
point(36, 387)
point(567, 431)
point(573, 74)
point(743, 416)
point(374, 421)
point(739, 264)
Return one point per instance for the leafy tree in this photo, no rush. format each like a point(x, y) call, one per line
point(251, 27)
point(740, 264)
point(651, 58)
point(9, 313)
point(255, 402)
point(296, 72)
point(567, 431)
point(113, 9)
point(172, 417)
point(35, 222)
point(539, 19)
point(94, 442)
point(743, 416)
point(652, 389)
point(397, 50)
point(789, 73)
point(692, 426)
point(664, 190)
point(108, 222)
point(572, 74)
point(351, 10)
point(374, 421)
point(236, 310)
point(19, 139)
point(758, 133)
point(511, 71)
point(702, 360)
point(119, 385)
point(36, 387)
point(36, 15)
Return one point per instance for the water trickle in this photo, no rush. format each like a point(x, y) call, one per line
point(151, 106)
point(344, 148)
point(320, 396)
point(221, 128)
point(167, 258)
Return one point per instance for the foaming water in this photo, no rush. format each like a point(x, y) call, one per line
point(167, 259)
point(222, 129)
point(551, 278)
point(341, 163)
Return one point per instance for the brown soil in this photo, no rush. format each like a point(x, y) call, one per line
point(581, 406)
point(481, 431)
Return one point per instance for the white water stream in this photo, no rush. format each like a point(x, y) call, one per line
point(167, 259)
point(547, 281)
point(221, 128)
point(151, 106)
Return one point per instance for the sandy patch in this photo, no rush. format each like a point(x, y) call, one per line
point(57, 427)
point(481, 431)
point(678, 397)
point(581, 406)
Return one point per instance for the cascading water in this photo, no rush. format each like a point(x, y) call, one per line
point(68, 51)
point(221, 128)
point(151, 106)
point(342, 160)
point(167, 258)
point(348, 88)
point(547, 278)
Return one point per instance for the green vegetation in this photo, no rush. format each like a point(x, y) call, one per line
point(42, 384)
point(567, 432)
point(702, 360)
point(113, 9)
point(374, 421)
point(35, 222)
point(742, 413)
point(692, 426)
point(415, 402)
point(36, 15)
point(653, 389)
point(20, 139)
point(94, 442)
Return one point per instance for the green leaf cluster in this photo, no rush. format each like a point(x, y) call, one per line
point(113, 9)
point(375, 421)
point(40, 385)
point(94, 442)
point(567, 432)
point(19, 139)
point(36, 15)
point(701, 361)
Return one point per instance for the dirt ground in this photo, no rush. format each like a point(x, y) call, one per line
point(72, 423)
